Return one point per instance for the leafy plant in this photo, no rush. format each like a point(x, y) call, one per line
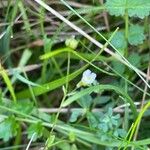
point(135, 8)
point(109, 125)
point(74, 90)
point(136, 35)
point(8, 128)
point(35, 130)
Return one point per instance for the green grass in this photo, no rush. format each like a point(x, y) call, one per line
point(49, 101)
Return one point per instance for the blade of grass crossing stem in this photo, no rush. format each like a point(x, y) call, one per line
point(3, 73)
point(88, 56)
point(51, 54)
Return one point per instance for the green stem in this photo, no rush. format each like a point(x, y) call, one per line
point(126, 25)
point(18, 137)
point(63, 99)
point(41, 19)
point(31, 90)
point(126, 31)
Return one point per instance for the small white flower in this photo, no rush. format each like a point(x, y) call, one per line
point(88, 78)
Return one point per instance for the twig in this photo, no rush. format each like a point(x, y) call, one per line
point(65, 110)
point(22, 69)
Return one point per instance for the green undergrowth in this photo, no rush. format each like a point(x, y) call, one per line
point(74, 75)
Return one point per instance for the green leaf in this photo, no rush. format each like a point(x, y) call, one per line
point(93, 122)
point(74, 147)
point(136, 35)
point(103, 126)
point(49, 86)
point(50, 141)
point(8, 128)
point(5, 43)
point(23, 106)
point(24, 80)
point(47, 44)
point(25, 57)
point(119, 67)
point(75, 114)
point(122, 133)
point(134, 8)
point(85, 101)
point(101, 100)
point(63, 146)
point(4, 74)
point(135, 59)
point(72, 137)
point(43, 116)
point(119, 42)
point(36, 130)
point(101, 87)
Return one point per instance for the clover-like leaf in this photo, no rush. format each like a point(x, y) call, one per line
point(23, 106)
point(36, 130)
point(8, 128)
point(104, 127)
point(118, 67)
point(122, 133)
point(75, 114)
point(135, 8)
point(135, 59)
point(119, 42)
point(85, 101)
point(136, 35)
point(93, 122)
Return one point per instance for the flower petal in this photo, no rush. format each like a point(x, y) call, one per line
point(87, 72)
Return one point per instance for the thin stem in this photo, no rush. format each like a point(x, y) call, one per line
point(142, 105)
point(63, 99)
point(126, 29)
point(18, 137)
point(31, 90)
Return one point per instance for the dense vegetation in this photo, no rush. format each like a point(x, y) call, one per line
point(74, 75)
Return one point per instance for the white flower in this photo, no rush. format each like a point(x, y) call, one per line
point(88, 78)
